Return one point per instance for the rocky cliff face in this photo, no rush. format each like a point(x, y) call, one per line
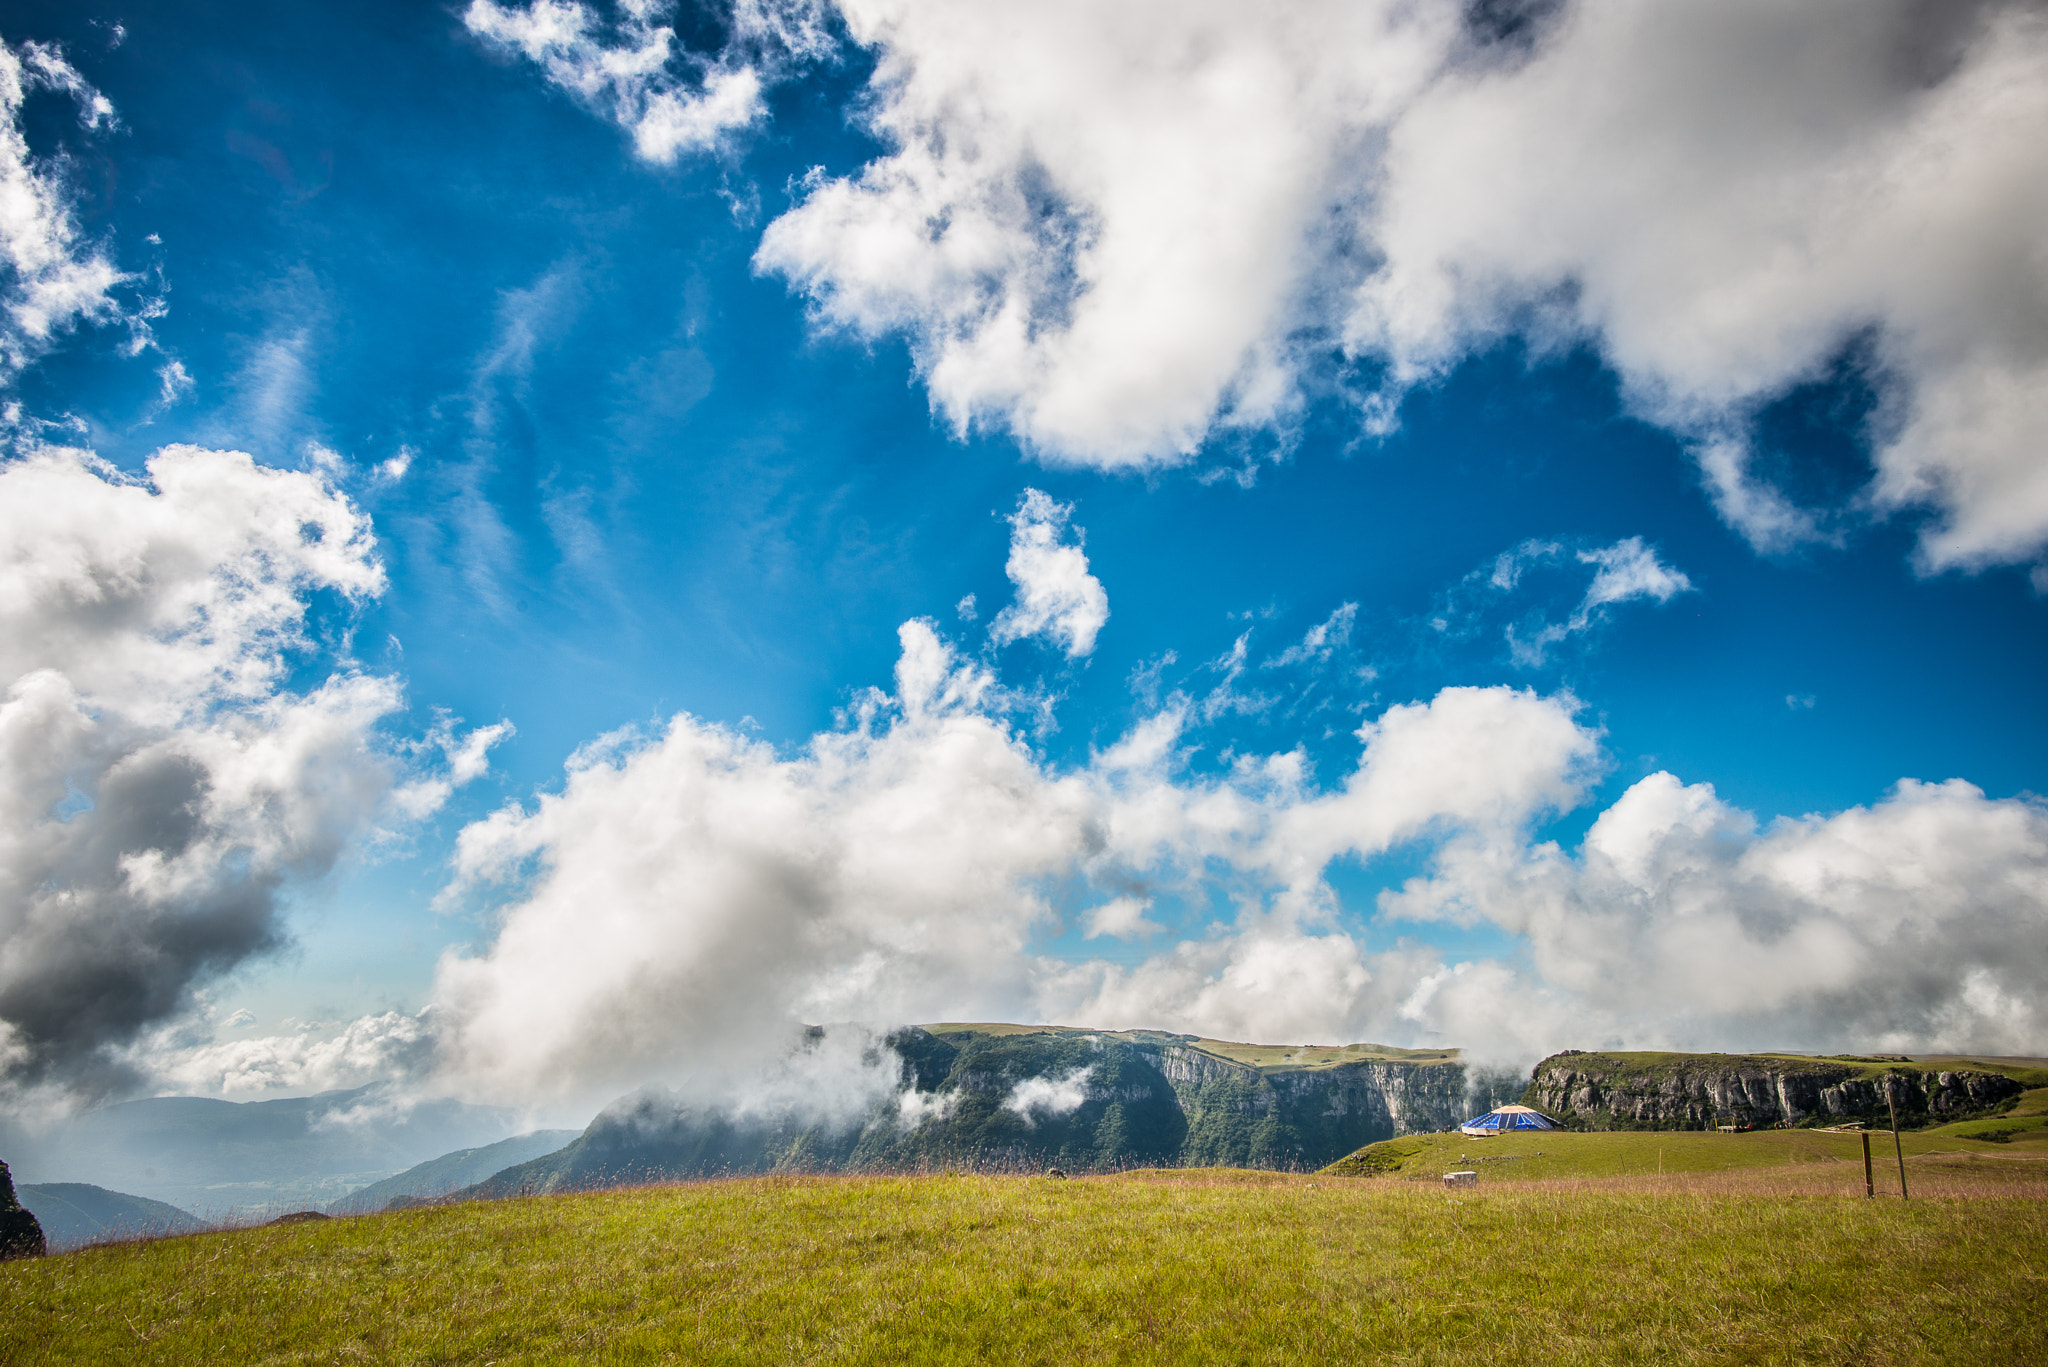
point(20, 1235)
point(1074, 1099)
point(1701, 1091)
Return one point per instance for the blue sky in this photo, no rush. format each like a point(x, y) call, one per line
point(620, 460)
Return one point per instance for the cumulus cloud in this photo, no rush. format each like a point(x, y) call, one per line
point(1056, 596)
point(1118, 231)
point(689, 892)
point(1102, 227)
point(378, 1048)
point(161, 777)
point(631, 69)
point(689, 896)
point(1722, 199)
point(1122, 918)
point(51, 276)
point(1049, 1096)
point(1918, 919)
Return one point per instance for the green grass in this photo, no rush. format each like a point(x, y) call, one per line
point(1760, 1265)
point(2024, 1123)
point(1551, 1155)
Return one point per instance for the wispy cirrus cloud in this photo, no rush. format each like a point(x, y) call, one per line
point(1320, 641)
point(1541, 593)
point(1627, 571)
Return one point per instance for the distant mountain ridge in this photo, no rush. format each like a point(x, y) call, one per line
point(451, 1172)
point(1028, 1097)
point(217, 1158)
point(74, 1214)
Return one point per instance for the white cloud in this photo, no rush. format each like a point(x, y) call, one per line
point(1056, 596)
point(691, 894)
point(377, 1048)
point(914, 1108)
point(174, 382)
point(468, 760)
point(1114, 230)
point(1102, 226)
point(689, 897)
point(1049, 1096)
point(161, 779)
point(1321, 641)
point(1627, 571)
point(1916, 920)
point(634, 72)
point(1723, 198)
point(1122, 918)
point(51, 277)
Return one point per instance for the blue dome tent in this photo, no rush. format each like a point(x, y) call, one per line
point(1502, 1119)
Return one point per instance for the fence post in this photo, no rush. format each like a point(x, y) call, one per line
point(1897, 1148)
point(1869, 1184)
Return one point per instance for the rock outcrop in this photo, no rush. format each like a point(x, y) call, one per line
point(20, 1234)
point(1644, 1091)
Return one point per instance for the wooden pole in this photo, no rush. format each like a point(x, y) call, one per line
point(1869, 1183)
point(1896, 1147)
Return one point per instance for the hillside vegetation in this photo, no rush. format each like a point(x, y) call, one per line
point(2019, 1133)
point(1747, 1266)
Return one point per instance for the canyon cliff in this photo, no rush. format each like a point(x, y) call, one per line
point(1657, 1091)
point(1026, 1098)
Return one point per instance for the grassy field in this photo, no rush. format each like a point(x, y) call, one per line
point(1765, 1263)
point(2019, 1135)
